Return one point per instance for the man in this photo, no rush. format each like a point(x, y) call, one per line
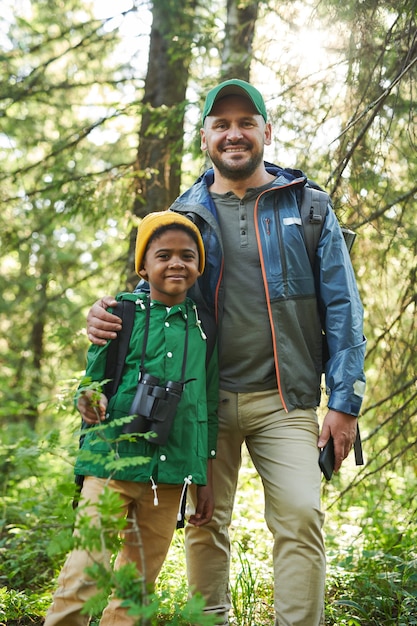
point(268, 303)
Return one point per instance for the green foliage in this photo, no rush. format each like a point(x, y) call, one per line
point(17, 606)
point(65, 194)
point(375, 587)
point(35, 496)
point(371, 541)
point(36, 533)
point(249, 590)
point(371, 537)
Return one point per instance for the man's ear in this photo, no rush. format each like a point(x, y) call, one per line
point(268, 134)
point(203, 143)
point(143, 273)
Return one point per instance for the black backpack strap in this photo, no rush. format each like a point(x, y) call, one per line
point(116, 356)
point(313, 209)
point(118, 348)
point(357, 448)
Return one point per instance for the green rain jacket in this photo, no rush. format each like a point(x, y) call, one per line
point(192, 439)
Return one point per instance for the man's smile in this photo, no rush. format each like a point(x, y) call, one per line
point(235, 149)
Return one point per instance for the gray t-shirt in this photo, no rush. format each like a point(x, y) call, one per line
point(245, 341)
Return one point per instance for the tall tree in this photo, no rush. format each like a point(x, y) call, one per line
point(237, 52)
point(58, 181)
point(374, 175)
point(158, 162)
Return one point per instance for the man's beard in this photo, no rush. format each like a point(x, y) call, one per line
point(240, 171)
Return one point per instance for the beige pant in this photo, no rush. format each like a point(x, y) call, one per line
point(156, 525)
point(283, 448)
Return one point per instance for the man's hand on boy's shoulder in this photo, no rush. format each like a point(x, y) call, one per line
point(102, 325)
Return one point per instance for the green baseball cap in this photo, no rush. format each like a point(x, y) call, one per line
point(234, 87)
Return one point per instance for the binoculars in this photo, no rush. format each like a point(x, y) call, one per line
point(154, 407)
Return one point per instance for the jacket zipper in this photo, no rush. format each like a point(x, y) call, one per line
point(268, 301)
point(281, 250)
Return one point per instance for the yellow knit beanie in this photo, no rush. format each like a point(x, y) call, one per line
point(152, 222)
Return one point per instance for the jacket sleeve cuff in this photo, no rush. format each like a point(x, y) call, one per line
point(211, 453)
point(212, 443)
point(348, 404)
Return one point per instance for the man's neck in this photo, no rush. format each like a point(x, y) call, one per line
point(239, 187)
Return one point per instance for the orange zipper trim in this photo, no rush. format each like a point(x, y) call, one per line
point(268, 300)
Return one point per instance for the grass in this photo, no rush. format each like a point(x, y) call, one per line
point(370, 536)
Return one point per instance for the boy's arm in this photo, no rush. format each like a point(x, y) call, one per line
point(93, 410)
point(90, 402)
point(205, 500)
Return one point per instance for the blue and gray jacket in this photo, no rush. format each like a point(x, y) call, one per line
point(302, 301)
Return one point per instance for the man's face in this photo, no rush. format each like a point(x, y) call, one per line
point(234, 136)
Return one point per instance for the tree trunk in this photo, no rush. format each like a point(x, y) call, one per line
point(158, 163)
point(240, 28)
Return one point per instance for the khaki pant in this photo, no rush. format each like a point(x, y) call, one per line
point(283, 448)
point(147, 549)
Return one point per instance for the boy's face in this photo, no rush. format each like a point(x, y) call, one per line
point(170, 266)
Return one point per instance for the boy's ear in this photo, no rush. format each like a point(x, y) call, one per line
point(143, 273)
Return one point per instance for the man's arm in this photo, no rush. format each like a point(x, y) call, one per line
point(102, 325)
point(345, 378)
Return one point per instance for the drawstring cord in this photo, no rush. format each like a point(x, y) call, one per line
point(198, 322)
point(183, 500)
point(141, 304)
point(155, 491)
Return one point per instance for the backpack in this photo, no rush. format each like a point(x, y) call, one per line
point(313, 207)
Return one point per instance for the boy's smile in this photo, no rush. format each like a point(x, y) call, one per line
point(171, 266)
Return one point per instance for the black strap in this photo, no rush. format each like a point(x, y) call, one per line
point(357, 447)
point(116, 356)
point(313, 207)
point(145, 339)
point(118, 348)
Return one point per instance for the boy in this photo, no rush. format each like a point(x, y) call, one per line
point(168, 348)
